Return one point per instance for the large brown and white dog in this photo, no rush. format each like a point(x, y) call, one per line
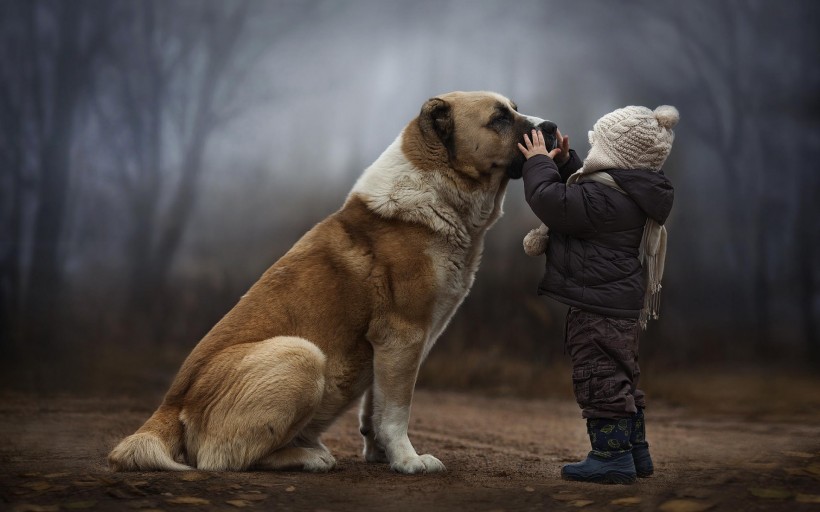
point(350, 311)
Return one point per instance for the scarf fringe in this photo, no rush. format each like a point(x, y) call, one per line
point(652, 255)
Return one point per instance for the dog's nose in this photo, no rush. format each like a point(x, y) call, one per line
point(548, 127)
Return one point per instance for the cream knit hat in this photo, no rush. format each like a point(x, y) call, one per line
point(632, 138)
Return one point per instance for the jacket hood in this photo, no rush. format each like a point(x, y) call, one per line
point(651, 190)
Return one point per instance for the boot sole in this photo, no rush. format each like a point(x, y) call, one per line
point(611, 478)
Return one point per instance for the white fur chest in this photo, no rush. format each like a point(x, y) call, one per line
point(458, 217)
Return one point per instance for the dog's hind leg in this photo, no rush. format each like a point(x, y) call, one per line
point(316, 459)
point(251, 401)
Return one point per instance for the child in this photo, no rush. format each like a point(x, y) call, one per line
point(605, 260)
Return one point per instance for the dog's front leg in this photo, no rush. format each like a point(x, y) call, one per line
point(373, 451)
point(395, 367)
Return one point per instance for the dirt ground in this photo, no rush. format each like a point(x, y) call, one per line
point(501, 454)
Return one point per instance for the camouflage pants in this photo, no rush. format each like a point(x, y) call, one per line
point(605, 371)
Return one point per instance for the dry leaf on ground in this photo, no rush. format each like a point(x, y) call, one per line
point(253, 496)
point(36, 508)
point(239, 503)
point(80, 505)
point(194, 476)
point(685, 506)
point(770, 494)
point(802, 455)
point(631, 500)
point(188, 500)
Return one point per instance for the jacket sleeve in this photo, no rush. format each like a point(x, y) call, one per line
point(562, 208)
point(570, 166)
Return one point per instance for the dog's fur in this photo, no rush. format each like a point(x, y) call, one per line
point(350, 311)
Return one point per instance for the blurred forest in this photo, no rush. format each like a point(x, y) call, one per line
point(157, 156)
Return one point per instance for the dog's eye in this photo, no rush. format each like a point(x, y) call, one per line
point(500, 121)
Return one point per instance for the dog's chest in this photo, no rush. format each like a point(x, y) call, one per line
point(455, 272)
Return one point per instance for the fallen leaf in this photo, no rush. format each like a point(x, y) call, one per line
point(568, 497)
point(795, 472)
point(632, 500)
point(760, 465)
point(143, 504)
point(239, 503)
point(685, 506)
point(56, 475)
point(807, 498)
point(119, 494)
point(529, 489)
point(194, 476)
point(86, 483)
point(253, 497)
point(265, 484)
point(770, 494)
point(80, 505)
point(802, 455)
point(580, 503)
point(37, 486)
point(694, 493)
point(188, 500)
point(290, 488)
point(36, 508)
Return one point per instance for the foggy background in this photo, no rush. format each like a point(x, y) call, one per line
point(157, 156)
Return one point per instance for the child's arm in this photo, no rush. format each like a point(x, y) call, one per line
point(560, 207)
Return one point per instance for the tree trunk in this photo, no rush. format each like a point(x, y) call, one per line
point(46, 280)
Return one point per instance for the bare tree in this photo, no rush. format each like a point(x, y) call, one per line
point(177, 71)
point(49, 54)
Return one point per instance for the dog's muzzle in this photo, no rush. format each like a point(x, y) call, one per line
point(548, 128)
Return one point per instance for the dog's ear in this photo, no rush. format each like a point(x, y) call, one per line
point(436, 121)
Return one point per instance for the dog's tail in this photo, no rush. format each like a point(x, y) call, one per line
point(154, 446)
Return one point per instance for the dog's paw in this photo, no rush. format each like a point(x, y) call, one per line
point(319, 461)
point(419, 464)
point(373, 452)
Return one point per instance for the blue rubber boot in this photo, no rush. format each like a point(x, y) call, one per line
point(610, 461)
point(640, 448)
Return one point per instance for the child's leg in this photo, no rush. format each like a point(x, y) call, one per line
point(603, 359)
point(604, 364)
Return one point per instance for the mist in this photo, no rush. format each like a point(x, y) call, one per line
point(158, 156)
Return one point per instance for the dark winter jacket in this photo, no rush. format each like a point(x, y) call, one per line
point(595, 232)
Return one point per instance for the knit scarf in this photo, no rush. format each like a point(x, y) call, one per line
point(652, 252)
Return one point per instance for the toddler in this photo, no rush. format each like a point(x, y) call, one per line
point(605, 254)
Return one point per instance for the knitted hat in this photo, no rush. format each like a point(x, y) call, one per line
point(632, 138)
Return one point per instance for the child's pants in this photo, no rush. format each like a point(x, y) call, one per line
point(605, 372)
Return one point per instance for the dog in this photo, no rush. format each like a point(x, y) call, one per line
point(350, 312)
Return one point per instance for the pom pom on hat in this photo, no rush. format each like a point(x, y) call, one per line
point(667, 116)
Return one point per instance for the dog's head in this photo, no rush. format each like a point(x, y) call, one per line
point(479, 132)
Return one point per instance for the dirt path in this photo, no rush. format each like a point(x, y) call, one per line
point(501, 454)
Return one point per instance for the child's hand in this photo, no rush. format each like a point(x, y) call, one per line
point(537, 146)
point(563, 143)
